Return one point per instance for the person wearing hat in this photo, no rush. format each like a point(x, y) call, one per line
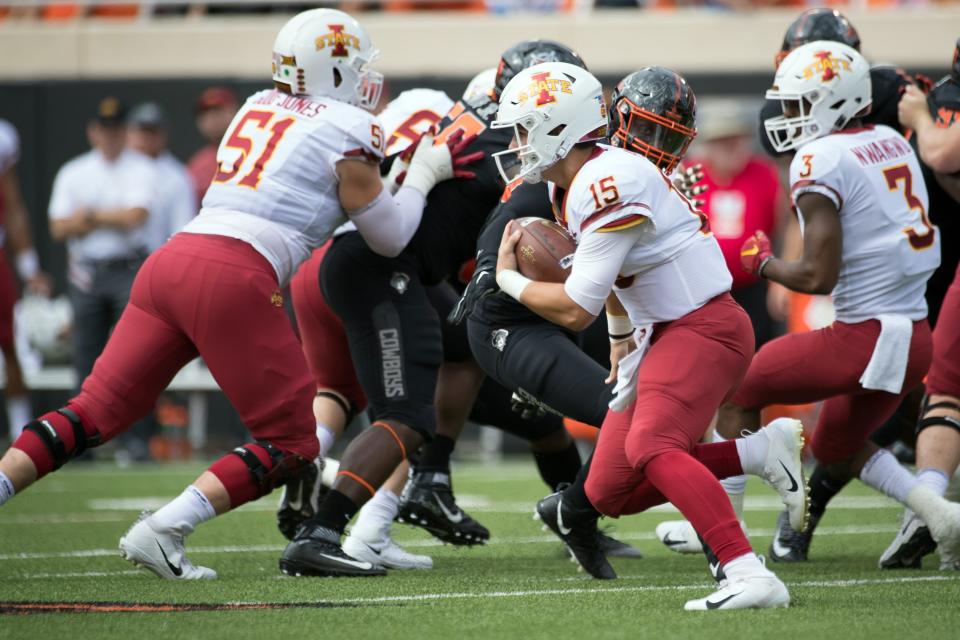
point(176, 202)
point(214, 110)
point(743, 196)
point(99, 207)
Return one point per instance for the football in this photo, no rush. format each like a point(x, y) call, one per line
point(545, 250)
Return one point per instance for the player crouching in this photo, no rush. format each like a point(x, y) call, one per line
point(638, 238)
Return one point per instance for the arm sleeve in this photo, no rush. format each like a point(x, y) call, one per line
point(815, 169)
point(596, 265)
point(389, 221)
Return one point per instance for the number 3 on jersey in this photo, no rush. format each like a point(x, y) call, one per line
point(900, 177)
point(256, 129)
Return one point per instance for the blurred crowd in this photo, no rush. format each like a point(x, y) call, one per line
point(113, 9)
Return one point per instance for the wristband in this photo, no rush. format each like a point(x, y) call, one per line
point(619, 327)
point(512, 283)
point(28, 264)
point(763, 263)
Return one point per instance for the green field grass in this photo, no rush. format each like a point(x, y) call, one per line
point(58, 544)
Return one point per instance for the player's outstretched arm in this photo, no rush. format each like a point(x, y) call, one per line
point(818, 268)
point(388, 221)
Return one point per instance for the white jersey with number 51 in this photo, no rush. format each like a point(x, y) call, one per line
point(276, 184)
point(890, 248)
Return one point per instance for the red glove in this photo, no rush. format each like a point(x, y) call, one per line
point(755, 253)
point(458, 144)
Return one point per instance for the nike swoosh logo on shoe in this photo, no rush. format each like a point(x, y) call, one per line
point(719, 603)
point(455, 518)
point(672, 543)
point(563, 530)
point(778, 549)
point(793, 482)
point(177, 571)
point(351, 563)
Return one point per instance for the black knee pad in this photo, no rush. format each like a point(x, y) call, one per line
point(938, 421)
point(55, 444)
point(283, 466)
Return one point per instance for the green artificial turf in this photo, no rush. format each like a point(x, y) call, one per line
point(58, 544)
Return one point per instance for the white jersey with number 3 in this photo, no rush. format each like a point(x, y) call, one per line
point(634, 229)
point(890, 248)
point(276, 184)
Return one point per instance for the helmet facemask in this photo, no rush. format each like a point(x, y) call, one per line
point(369, 85)
point(663, 141)
point(531, 159)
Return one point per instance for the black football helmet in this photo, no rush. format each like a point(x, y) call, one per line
point(528, 53)
point(653, 111)
point(818, 24)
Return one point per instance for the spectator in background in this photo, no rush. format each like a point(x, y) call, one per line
point(175, 203)
point(743, 196)
point(15, 233)
point(100, 205)
point(215, 109)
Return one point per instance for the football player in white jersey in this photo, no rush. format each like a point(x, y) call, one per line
point(296, 163)
point(648, 256)
point(869, 243)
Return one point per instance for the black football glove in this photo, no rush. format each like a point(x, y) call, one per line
point(482, 284)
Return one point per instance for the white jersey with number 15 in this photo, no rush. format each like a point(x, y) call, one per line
point(276, 184)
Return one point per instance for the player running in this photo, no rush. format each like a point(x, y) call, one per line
point(298, 160)
point(868, 242)
point(640, 240)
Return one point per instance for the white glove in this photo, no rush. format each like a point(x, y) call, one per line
point(431, 164)
point(391, 181)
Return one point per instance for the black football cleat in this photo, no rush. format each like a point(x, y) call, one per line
point(613, 548)
point(912, 542)
point(789, 545)
point(428, 502)
point(316, 551)
point(300, 499)
point(581, 536)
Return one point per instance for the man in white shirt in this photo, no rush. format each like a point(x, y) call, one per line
point(100, 206)
point(175, 204)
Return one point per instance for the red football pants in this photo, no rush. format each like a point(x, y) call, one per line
point(215, 297)
point(826, 365)
point(644, 453)
point(944, 378)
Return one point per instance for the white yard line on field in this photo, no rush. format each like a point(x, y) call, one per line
point(427, 542)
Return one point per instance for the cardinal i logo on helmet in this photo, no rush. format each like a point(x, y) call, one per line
point(827, 65)
point(543, 89)
point(338, 40)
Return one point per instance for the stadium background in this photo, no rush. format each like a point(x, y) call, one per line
point(54, 72)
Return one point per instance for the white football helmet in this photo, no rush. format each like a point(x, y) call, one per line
point(325, 52)
point(821, 86)
point(480, 85)
point(551, 106)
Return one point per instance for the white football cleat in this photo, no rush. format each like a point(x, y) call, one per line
point(944, 526)
point(680, 536)
point(385, 553)
point(783, 469)
point(756, 592)
point(161, 552)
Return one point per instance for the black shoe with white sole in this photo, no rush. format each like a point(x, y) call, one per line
point(316, 551)
point(912, 542)
point(581, 535)
point(789, 545)
point(428, 502)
